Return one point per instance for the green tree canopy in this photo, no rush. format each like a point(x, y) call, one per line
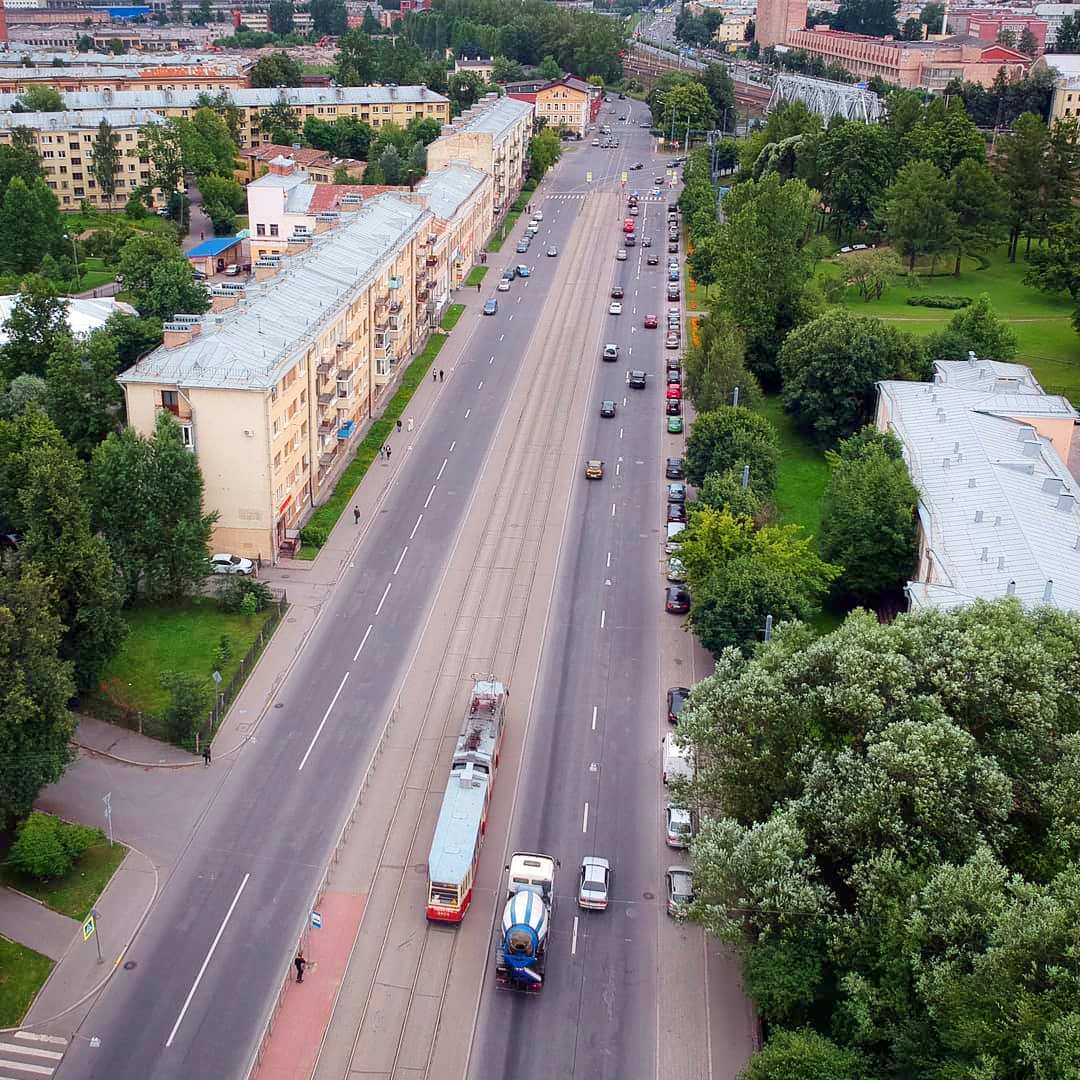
point(732, 437)
point(915, 211)
point(276, 69)
point(162, 281)
point(715, 367)
point(42, 99)
point(35, 328)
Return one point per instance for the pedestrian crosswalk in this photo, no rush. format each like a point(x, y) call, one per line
point(566, 195)
point(30, 1054)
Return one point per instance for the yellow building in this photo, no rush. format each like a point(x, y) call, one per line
point(374, 105)
point(1066, 100)
point(65, 142)
point(568, 103)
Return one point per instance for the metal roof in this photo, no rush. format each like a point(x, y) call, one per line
point(73, 121)
point(447, 189)
point(495, 116)
point(458, 826)
point(84, 315)
point(999, 507)
point(214, 246)
point(250, 347)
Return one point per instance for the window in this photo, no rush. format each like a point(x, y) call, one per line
point(187, 436)
point(260, 230)
point(273, 230)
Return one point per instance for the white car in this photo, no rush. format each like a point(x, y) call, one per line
point(539, 215)
point(503, 286)
point(620, 255)
point(232, 270)
point(615, 308)
point(594, 883)
point(223, 563)
point(678, 827)
point(680, 891)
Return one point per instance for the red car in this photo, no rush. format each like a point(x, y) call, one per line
point(650, 322)
point(628, 225)
point(674, 390)
point(676, 600)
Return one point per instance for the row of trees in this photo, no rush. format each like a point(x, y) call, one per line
point(682, 103)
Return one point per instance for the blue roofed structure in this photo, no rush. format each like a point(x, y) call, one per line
point(215, 246)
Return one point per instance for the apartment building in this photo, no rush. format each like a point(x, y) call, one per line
point(321, 165)
point(567, 103)
point(987, 24)
point(775, 19)
point(65, 142)
point(998, 507)
point(492, 136)
point(195, 78)
point(1065, 103)
point(272, 387)
point(374, 105)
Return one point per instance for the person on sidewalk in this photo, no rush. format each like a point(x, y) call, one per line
point(356, 515)
point(388, 453)
point(440, 374)
point(434, 375)
point(300, 964)
point(206, 754)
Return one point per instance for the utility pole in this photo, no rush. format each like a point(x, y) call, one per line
point(768, 628)
point(107, 800)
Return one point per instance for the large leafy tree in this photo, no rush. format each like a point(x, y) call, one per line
point(30, 224)
point(915, 211)
point(733, 437)
point(854, 165)
point(545, 148)
point(83, 397)
point(105, 163)
point(328, 17)
point(162, 145)
point(280, 123)
point(831, 366)
point(276, 69)
point(1055, 268)
point(35, 328)
point(35, 724)
point(877, 18)
point(715, 367)
point(975, 329)
point(944, 134)
point(804, 1055)
point(147, 499)
point(868, 517)
point(281, 17)
point(154, 270)
point(978, 207)
point(1020, 163)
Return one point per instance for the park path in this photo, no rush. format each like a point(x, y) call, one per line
point(31, 923)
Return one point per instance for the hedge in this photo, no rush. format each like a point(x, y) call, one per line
point(951, 303)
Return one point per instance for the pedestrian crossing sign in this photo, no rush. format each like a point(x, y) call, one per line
point(88, 928)
point(588, 178)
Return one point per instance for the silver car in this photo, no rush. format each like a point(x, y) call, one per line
point(594, 883)
point(678, 826)
point(231, 564)
point(680, 891)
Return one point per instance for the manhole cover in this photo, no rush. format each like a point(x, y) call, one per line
point(648, 896)
point(131, 965)
point(280, 705)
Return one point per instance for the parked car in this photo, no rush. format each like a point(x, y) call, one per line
point(522, 247)
point(673, 249)
point(678, 827)
point(636, 380)
point(674, 425)
point(491, 306)
point(676, 699)
point(676, 572)
point(232, 270)
point(223, 563)
point(676, 511)
point(674, 390)
point(674, 376)
point(522, 270)
point(628, 240)
point(504, 285)
point(676, 492)
point(671, 341)
point(680, 891)
point(594, 883)
point(552, 251)
point(673, 407)
point(676, 600)
point(673, 470)
point(620, 255)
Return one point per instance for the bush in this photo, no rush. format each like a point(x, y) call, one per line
point(249, 606)
point(46, 847)
point(135, 207)
point(314, 534)
point(223, 653)
point(950, 303)
point(238, 589)
point(190, 706)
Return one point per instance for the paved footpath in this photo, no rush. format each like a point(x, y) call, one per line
point(32, 924)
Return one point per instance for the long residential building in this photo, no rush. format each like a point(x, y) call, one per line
point(65, 143)
point(492, 136)
point(999, 509)
point(374, 105)
point(93, 77)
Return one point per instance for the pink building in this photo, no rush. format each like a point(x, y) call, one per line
point(986, 25)
point(930, 65)
point(775, 18)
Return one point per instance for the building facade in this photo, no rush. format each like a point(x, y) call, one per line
point(65, 142)
point(96, 77)
point(321, 165)
point(987, 25)
point(929, 65)
point(567, 104)
point(492, 136)
point(273, 386)
point(775, 19)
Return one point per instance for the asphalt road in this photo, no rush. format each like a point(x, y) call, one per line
point(589, 781)
point(207, 961)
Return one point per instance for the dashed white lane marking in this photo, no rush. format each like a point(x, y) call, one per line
point(303, 762)
point(386, 593)
point(363, 640)
point(401, 559)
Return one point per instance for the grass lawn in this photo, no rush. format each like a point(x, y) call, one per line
point(79, 222)
point(94, 272)
point(453, 313)
point(77, 891)
point(476, 276)
point(181, 637)
point(22, 973)
point(1048, 343)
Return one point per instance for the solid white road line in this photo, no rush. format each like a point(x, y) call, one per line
point(612, 509)
point(467, 411)
point(481, 386)
point(386, 593)
point(438, 476)
point(401, 559)
point(573, 939)
point(318, 732)
point(427, 501)
point(452, 445)
point(363, 642)
point(209, 956)
point(585, 819)
point(609, 558)
point(416, 526)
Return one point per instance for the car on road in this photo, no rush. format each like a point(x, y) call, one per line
point(676, 512)
point(676, 699)
point(224, 563)
point(652, 260)
point(617, 292)
point(522, 247)
point(646, 241)
point(629, 240)
point(594, 469)
point(673, 249)
point(611, 352)
point(628, 223)
point(503, 286)
point(596, 142)
point(620, 255)
point(674, 390)
point(676, 600)
point(650, 322)
point(522, 270)
point(676, 492)
point(658, 180)
point(674, 425)
point(673, 292)
point(491, 306)
point(538, 216)
point(552, 252)
point(636, 166)
point(678, 827)
point(674, 377)
point(532, 228)
point(671, 341)
point(594, 883)
point(680, 891)
point(676, 571)
point(634, 210)
point(673, 469)
point(607, 408)
point(671, 544)
point(615, 308)
point(673, 273)
point(673, 407)
point(636, 379)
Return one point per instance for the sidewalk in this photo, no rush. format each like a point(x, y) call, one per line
point(32, 924)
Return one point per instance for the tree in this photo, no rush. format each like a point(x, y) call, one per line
point(868, 518)
point(1056, 267)
point(42, 99)
point(147, 499)
point(715, 367)
point(733, 437)
point(328, 17)
point(915, 212)
point(831, 367)
point(725, 491)
point(1067, 38)
point(134, 336)
point(161, 279)
point(45, 847)
point(877, 18)
point(425, 129)
point(106, 159)
point(545, 148)
point(549, 68)
point(390, 165)
point(945, 135)
point(720, 88)
point(276, 69)
point(1028, 44)
point(190, 701)
point(504, 70)
point(355, 59)
point(83, 397)
point(1007, 38)
point(855, 164)
point(976, 329)
point(34, 329)
point(686, 107)
point(280, 123)
point(912, 30)
point(281, 17)
point(35, 725)
point(23, 391)
point(872, 272)
point(464, 90)
point(28, 223)
point(1019, 163)
point(932, 15)
point(978, 207)
point(160, 143)
point(804, 1055)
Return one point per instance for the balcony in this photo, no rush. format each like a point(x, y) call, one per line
point(327, 398)
point(326, 458)
point(395, 308)
point(326, 427)
point(421, 296)
point(324, 367)
point(431, 260)
point(345, 373)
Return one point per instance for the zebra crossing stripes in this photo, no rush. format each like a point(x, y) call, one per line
point(33, 1055)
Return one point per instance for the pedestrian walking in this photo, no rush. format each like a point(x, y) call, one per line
point(434, 375)
point(440, 374)
point(399, 425)
point(206, 754)
point(300, 963)
point(388, 453)
point(356, 515)
point(382, 452)
point(202, 236)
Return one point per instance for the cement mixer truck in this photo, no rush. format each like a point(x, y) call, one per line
point(521, 952)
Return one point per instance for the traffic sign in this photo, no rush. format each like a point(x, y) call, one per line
point(316, 920)
point(624, 178)
point(88, 928)
point(588, 178)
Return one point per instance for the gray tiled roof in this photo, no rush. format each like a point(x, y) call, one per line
point(446, 189)
point(998, 505)
point(250, 346)
point(70, 121)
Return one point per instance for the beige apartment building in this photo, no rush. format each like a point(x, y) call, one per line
point(492, 136)
point(65, 142)
point(374, 105)
point(273, 386)
point(90, 78)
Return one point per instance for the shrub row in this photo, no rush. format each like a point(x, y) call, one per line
point(951, 303)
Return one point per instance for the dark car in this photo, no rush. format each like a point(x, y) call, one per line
point(652, 260)
point(676, 493)
point(636, 379)
point(674, 468)
point(607, 408)
point(673, 249)
point(672, 293)
point(522, 247)
point(672, 208)
point(617, 292)
point(673, 407)
point(676, 512)
point(676, 600)
point(491, 306)
point(676, 699)
point(673, 275)
point(674, 377)
point(629, 240)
